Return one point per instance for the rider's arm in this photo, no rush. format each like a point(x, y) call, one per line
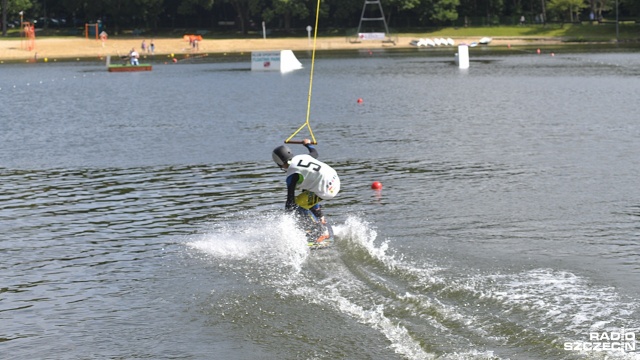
point(312, 149)
point(292, 181)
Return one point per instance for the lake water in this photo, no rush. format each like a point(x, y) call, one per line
point(141, 214)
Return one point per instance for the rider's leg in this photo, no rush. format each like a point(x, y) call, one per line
point(317, 211)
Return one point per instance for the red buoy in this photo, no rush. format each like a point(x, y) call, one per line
point(360, 100)
point(376, 185)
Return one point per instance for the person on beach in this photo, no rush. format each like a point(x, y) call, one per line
point(317, 180)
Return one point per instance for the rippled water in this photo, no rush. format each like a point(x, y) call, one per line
point(141, 213)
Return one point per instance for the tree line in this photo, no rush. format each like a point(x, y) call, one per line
point(290, 15)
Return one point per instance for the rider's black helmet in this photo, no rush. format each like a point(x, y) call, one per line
point(281, 155)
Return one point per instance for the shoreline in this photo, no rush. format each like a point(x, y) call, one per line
point(53, 49)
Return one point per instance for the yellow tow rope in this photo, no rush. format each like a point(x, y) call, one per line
point(313, 59)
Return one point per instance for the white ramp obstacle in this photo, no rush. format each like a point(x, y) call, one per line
point(462, 57)
point(283, 61)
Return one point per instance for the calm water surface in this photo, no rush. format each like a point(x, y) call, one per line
point(141, 215)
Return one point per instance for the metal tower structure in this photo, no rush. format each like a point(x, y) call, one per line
point(371, 5)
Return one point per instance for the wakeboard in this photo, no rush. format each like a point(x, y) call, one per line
point(318, 235)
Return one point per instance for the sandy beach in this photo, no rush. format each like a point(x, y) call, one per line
point(53, 49)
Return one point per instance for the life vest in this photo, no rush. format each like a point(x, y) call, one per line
point(317, 177)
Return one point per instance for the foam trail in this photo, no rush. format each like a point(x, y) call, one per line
point(566, 300)
point(272, 238)
point(272, 243)
point(338, 291)
point(360, 233)
point(401, 340)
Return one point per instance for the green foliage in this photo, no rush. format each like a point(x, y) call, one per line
point(445, 11)
point(569, 7)
point(189, 7)
point(286, 8)
point(294, 15)
point(406, 4)
point(341, 11)
point(15, 6)
point(569, 32)
point(10, 11)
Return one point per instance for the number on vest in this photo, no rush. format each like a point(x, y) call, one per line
point(316, 168)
